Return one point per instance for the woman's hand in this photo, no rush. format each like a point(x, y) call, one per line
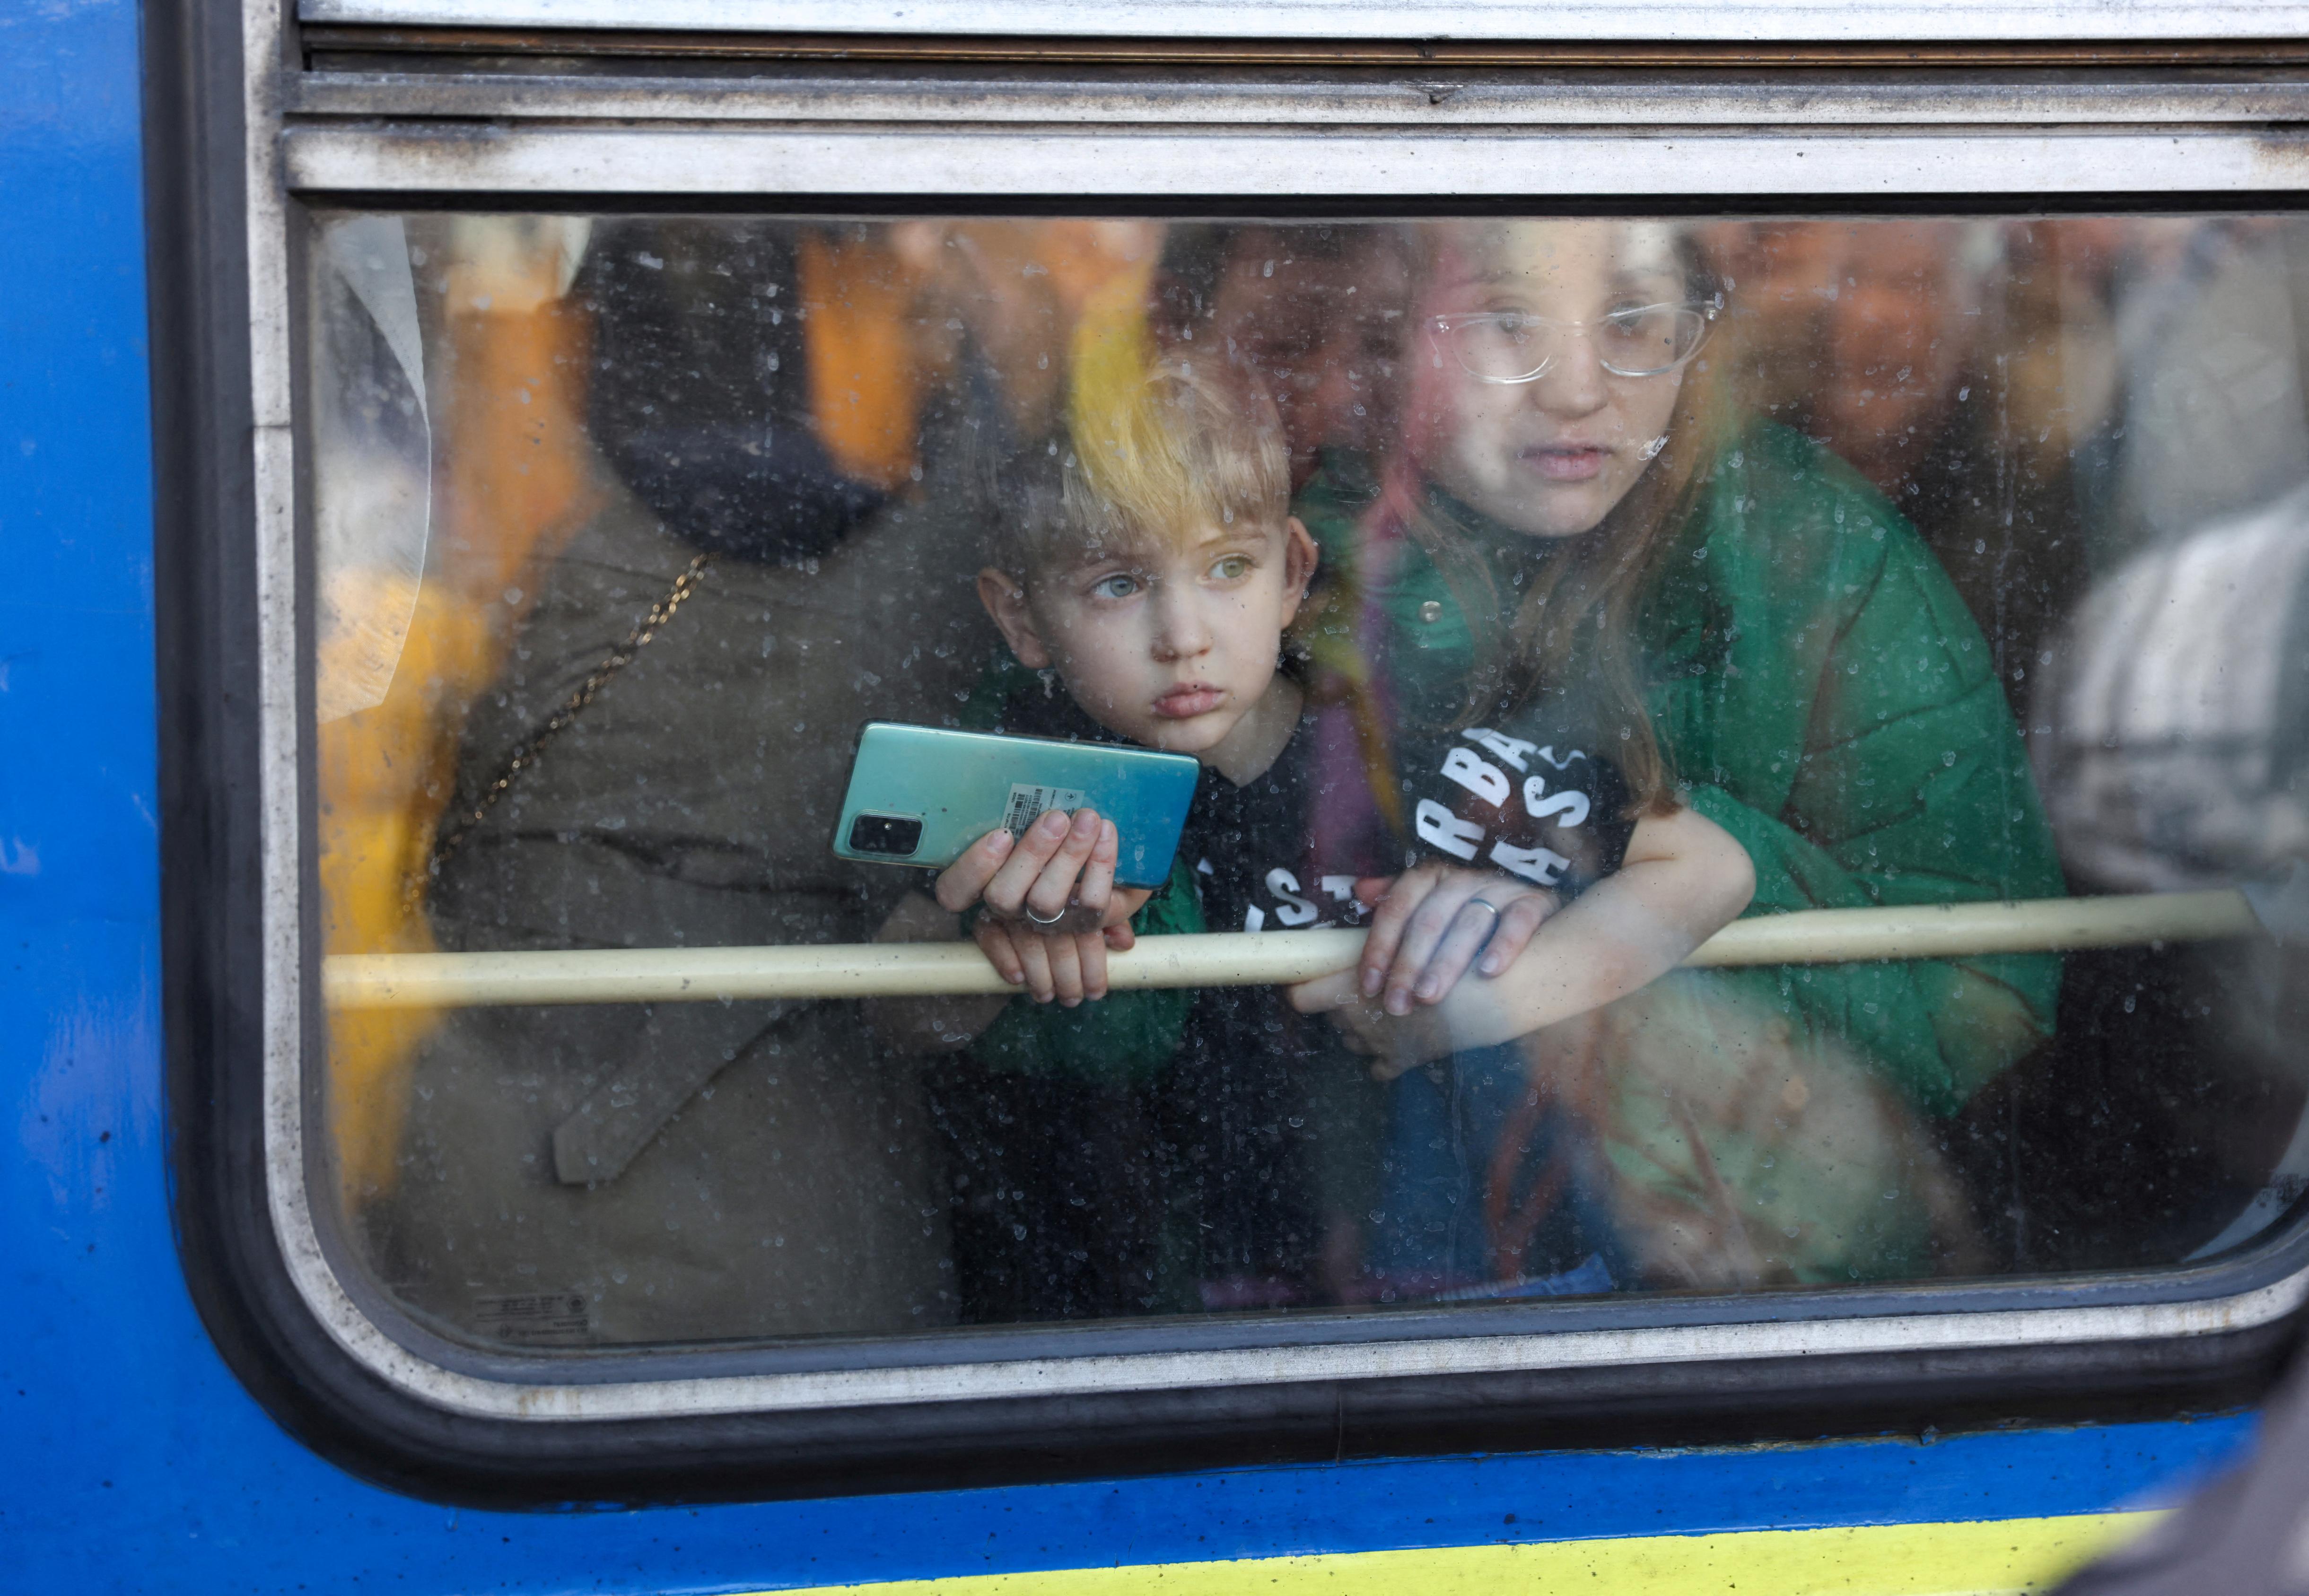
point(1392, 1044)
point(1052, 907)
point(1683, 878)
point(1434, 920)
point(1472, 1015)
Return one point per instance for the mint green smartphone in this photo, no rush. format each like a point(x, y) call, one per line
point(922, 795)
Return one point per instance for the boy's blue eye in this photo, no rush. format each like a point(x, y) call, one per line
point(1115, 587)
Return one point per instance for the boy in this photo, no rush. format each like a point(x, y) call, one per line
point(1150, 565)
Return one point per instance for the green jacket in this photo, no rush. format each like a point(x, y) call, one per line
point(1824, 696)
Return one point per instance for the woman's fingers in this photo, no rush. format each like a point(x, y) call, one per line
point(1324, 993)
point(1000, 952)
point(1361, 1028)
point(1366, 1031)
point(1388, 926)
point(1519, 920)
point(963, 881)
point(1044, 842)
point(1465, 935)
point(1093, 893)
point(1424, 934)
point(1057, 878)
point(1090, 953)
point(1039, 881)
point(1055, 890)
point(1495, 922)
point(1365, 1028)
point(1066, 969)
point(1063, 970)
point(1434, 924)
point(1034, 960)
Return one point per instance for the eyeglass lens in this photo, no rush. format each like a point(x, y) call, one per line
point(1509, 348)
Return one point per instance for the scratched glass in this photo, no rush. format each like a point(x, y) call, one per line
point(1605, 591)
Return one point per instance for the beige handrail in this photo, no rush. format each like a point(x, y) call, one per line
point(1233, 958)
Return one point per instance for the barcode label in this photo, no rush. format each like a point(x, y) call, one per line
point(1028, 803)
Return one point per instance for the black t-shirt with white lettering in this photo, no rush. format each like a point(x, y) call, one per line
point(1269, 1123)
point(1551, 814)
point(1276, 1119)
point(1252, 848)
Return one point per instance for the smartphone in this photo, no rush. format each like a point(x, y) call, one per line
point(920, 795)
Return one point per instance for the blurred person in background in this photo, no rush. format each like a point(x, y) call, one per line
point(1318, 310)
point(773, 408)
point(2088, 419)
point(1960, 365)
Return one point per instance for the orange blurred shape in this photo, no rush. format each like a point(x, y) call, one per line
point(1084, 258)
point(866, 372)
point(516, 477)
point(383, 778)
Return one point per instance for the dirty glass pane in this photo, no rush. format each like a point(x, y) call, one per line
point(1577, 591)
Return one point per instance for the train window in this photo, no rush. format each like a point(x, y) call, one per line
point(1818, 702)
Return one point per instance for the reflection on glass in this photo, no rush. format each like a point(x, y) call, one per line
point(1546, 594)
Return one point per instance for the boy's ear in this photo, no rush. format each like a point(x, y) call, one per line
point(1006, 601)
point(1299, 558)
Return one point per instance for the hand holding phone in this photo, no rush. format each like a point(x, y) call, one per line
point(1060, 842)
point(923, 796)
point(1052, 910)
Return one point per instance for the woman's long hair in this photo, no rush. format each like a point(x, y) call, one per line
point(1571, 632)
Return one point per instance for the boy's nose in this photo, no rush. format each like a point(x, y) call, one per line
point(1181, 628)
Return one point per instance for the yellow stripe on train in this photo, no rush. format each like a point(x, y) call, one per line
point(1945, 1559)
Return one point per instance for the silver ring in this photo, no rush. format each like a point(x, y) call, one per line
point(1483, 904)
point(1037, 919)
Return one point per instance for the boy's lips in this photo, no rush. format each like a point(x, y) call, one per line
point(1567, 463)
point(1184, 704)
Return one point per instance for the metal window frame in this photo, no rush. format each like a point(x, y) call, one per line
point(1643, 19)
point(353, 1374)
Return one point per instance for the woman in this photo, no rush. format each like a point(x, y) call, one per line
point(1574, 513)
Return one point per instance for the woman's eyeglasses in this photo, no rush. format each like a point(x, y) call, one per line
point(1511, 346)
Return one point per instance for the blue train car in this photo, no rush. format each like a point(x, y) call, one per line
point(468, 468)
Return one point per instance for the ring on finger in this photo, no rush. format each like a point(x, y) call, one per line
point(1491, 929)
point(1037, 919)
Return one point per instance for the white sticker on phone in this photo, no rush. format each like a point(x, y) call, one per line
point(1028, 803)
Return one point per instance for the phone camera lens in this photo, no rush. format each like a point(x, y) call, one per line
point(897, 836)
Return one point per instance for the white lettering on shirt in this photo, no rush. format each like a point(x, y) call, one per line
point(1296, 910)
point(1486, 780)
point(1540, 808)
point(1511, 749)
point(1438, 827)
point(1533, 864)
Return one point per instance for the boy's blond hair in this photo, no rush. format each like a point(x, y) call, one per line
point(1150, 461)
